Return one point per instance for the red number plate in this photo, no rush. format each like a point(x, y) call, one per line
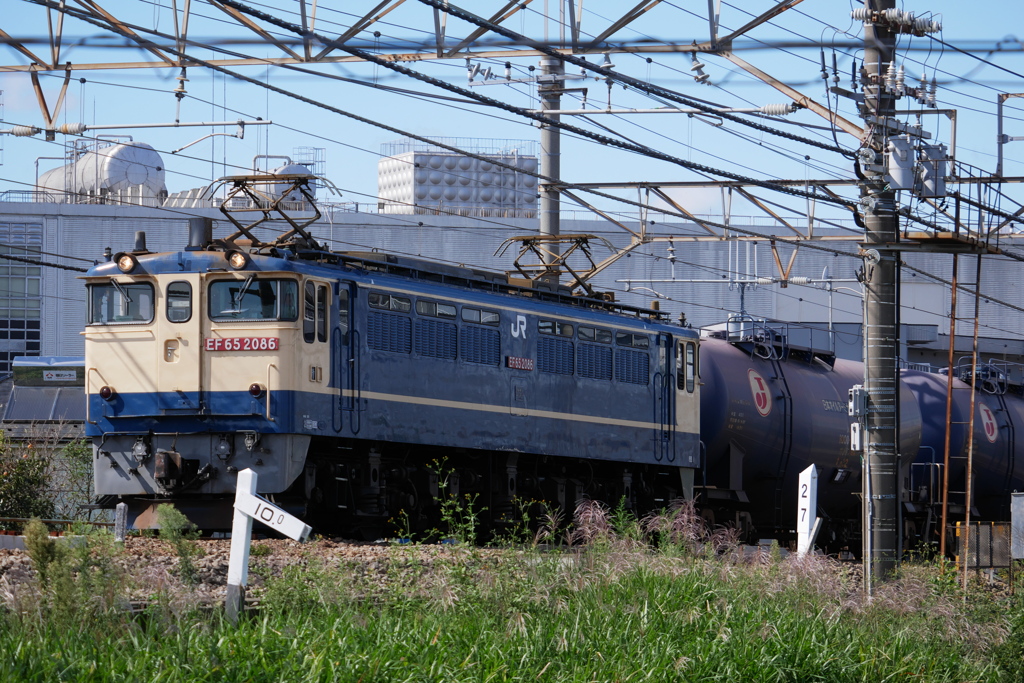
point(242, 343)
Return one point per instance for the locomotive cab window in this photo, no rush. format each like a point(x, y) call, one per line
point(117, 303)
point(252, 299)
point(179, 302)
point(314, 312)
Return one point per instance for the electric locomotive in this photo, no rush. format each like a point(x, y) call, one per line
point(362, 385)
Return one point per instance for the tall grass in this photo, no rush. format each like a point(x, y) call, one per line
point(613, 606)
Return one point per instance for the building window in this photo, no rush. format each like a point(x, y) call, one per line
point(20, 295)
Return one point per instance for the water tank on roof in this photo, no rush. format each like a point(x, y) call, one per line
point(124, 169)
point(277, 189)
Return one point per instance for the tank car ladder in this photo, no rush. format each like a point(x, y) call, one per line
point(787, 438)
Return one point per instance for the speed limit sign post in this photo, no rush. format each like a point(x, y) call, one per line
point(249, 507)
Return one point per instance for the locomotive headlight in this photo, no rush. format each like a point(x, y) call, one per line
point(107, 393)
point(126, 263)
point(255, 389)
point(238, 260)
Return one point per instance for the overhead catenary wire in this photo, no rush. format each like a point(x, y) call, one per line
point(603, 139)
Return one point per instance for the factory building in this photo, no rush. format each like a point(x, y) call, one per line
point(91, 205)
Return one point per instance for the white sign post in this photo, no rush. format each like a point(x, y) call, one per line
point(249, 506)
point(807, 521)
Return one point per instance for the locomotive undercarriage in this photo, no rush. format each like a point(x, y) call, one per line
point(371, 490)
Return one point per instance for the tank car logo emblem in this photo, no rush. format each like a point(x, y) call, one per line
point(988, 422)
point(759, 388)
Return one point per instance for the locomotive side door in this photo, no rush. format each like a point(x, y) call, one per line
point(687, 398)
point(663, 403)
point(179, 333)
point(345, 358)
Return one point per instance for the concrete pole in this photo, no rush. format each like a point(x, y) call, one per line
point(549, 89)
point(881, 331)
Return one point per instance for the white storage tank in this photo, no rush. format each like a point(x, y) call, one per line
point(130, 172)
point(279, 188)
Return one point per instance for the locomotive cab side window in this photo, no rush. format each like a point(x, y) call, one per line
point(179, 302)
point(314, 312)
point(118, 303)
point(252, 299)
point(686, 366)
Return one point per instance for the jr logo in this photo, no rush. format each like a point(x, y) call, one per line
point(988, 423)
point(759, 388)
point(519, 327)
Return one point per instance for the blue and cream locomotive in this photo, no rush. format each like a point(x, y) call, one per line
point(357, 384)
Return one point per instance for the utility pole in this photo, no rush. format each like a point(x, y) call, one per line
point(549, 89)
point(881, 331)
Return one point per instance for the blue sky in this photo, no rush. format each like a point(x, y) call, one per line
point(352, 149)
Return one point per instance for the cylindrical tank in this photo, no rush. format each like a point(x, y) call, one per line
point(763, 421)
point(132, 168)
point(997, 418)
point(280, 188)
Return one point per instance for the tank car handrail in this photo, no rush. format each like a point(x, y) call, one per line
point(993, 379)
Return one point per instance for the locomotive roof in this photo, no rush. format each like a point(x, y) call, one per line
point(392, 264)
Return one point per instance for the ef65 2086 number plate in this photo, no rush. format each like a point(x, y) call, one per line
point(242, 343)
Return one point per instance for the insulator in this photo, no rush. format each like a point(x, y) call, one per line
point(800, 280)
point(696, 66)
point(922, 90)
point(835, 69)
point(861, 14)
point(508, 71)
point(931, 92)
point(72, 128)
point(701, 78)
point(24, 131)
point(901, 77)
point(890, 77)
point(765, 280)
point(927, 25)
point(824, 71)
point(777, 109)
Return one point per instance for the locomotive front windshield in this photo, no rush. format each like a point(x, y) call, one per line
point(253, 299)
point(115, 303)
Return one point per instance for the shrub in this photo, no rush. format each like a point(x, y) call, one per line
point(24, 484)
point(182, 534)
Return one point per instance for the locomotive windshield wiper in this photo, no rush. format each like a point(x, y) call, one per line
point(121, 290)
point(243, 289)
